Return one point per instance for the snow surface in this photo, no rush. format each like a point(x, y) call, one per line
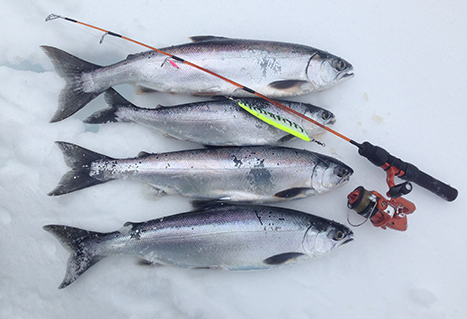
point(408, 95)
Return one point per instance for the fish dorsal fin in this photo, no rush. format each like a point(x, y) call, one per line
point(132, 56)
point(143, 154)
point(203, 38)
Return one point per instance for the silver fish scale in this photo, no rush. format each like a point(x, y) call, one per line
point(273, 69)
point(216, 235)
point(255, 63)
point(235, 238)
point(275, 59)
point(248, 174)
point(221, 122)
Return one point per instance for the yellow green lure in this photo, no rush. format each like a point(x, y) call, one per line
point(277, 121)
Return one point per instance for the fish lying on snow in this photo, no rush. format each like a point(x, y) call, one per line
point(273, 69)
point(256, 174)
point(232, 237)
point(220, 122)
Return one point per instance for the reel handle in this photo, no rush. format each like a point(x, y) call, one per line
point(409, 172)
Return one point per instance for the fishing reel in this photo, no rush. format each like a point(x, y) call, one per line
point(385, 213)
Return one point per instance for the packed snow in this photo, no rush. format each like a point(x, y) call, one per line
point(408, 96)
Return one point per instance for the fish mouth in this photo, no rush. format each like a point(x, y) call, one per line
point(344, 179)
point(346, 241)
point(345, 75)
point(331, 121)
point(344, 175)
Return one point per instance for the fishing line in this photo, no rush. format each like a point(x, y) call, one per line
point(375, 154)
point(365, 218)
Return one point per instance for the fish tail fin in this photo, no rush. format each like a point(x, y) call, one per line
point(80, 160)
point(79, 243)
point(116, 103)
point(72, 97)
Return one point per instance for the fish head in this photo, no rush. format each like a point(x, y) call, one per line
point(329, 174)
point(325, 70)
point(320, 115)
point(324, 236)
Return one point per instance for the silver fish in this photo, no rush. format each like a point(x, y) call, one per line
point(256, 174)
point(220, 122)
point(216, 236)
point(274, 69)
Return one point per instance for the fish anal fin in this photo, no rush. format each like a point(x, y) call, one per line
point(148, 263)
point(155, 192)
point(283, 258)
point(203, 94)
point(140, 90)
point(209, 267)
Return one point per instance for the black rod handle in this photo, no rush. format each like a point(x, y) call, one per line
point(379, 157)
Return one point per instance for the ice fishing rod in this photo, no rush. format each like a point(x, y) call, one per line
point(375, 154)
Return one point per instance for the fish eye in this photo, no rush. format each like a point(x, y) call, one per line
point(326, 115)
point(340, 65)
point(339, 235)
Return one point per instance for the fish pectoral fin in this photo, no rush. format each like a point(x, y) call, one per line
point(293, 193)
point(291, 86)
point(283, 258)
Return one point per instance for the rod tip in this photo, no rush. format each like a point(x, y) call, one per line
point(52, 16)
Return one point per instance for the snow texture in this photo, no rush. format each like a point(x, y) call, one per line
point(408, 95)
